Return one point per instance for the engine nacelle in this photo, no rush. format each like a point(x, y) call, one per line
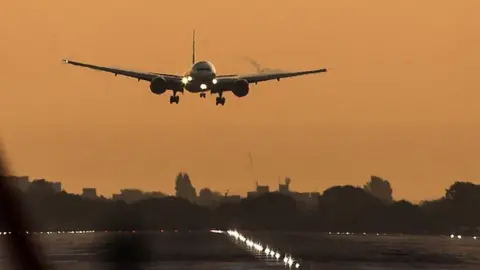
point(241, 88)
point(158, 85)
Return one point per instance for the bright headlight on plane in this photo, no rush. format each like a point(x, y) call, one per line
point(203, 86)
point(184, 80)
point(214, 81)
point(189, 78)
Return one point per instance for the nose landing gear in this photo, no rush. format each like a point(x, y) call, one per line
point(220, 101)
point(174, 99)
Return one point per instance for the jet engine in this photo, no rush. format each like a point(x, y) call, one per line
point(158, 85)
point(240, 89)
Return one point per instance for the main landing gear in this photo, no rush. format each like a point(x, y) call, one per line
point(220, 100)
point(203, 95)
point(174, 99)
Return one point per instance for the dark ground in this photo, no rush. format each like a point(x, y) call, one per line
point(205, 250)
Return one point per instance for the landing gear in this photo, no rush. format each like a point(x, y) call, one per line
point(174, 99)
point(203, 95)
point(220, 100)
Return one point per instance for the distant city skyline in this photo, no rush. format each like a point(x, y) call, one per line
point(204, 196)
point(22, 181)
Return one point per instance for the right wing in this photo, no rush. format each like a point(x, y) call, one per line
point(146, 76)
point(227, 81)
point(267, 76)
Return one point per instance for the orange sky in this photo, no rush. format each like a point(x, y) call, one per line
point(399, 100)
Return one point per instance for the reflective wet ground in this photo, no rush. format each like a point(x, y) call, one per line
point(206, 250)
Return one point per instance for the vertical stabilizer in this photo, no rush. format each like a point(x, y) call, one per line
point(193, 48)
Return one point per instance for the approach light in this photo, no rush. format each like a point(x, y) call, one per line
point(290, 262)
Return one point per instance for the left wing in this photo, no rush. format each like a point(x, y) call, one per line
point(146, 76)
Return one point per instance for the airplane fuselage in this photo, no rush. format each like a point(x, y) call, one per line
point(200, 78)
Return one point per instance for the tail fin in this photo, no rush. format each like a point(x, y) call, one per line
point(193, 48)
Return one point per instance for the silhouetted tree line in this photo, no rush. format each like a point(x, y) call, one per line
point(339, 209)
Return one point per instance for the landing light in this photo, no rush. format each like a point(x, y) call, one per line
point(214, 81)
point(189, 78)
point(203, 86)
point(184, 80)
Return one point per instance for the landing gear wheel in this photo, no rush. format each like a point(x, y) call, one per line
point(203, 95)
point(220, 100)
point(174, 99)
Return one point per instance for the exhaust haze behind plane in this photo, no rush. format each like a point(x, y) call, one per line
point(259, 69)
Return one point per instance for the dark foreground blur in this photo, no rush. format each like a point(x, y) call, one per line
point(22, 250)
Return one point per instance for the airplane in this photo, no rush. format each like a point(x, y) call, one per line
point(201, 78)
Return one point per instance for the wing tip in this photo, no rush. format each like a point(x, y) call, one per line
point(65, 61)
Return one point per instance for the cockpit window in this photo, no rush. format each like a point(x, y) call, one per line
point(203, 69)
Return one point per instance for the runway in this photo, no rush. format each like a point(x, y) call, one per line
point(206, 250)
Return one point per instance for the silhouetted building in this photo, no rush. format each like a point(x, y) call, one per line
point(129, 195)
point(21, 182)
point(134, 195)
point(154, 194)
point(259, 191)
point(263, 189)
point(232, 198)
point(89, 193)
point(309, 199)
point(208, 197)
point(56, 186)
point(285, 188)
